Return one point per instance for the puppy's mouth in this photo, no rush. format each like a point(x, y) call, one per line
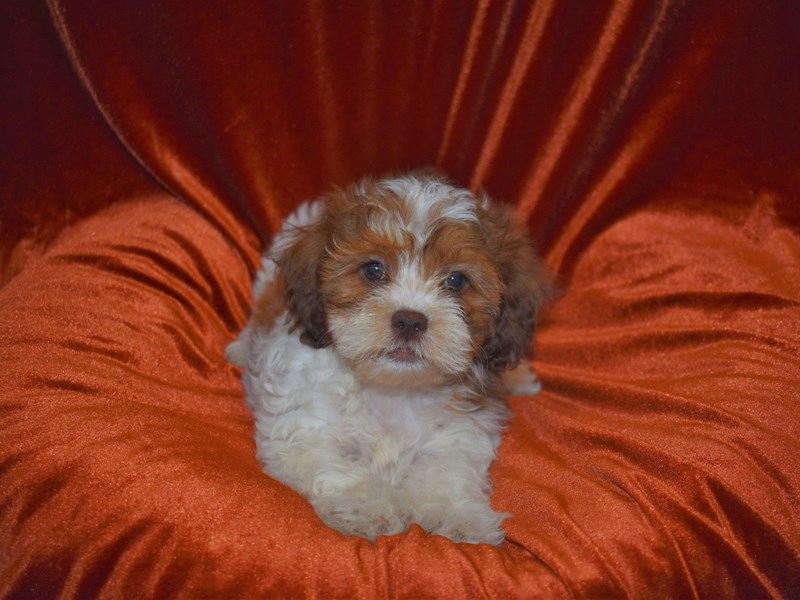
point(403, 355)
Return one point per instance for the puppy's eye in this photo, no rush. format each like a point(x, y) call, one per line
point(456, 282)
point(373, 271)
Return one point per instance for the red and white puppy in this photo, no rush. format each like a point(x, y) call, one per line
point(384, 317)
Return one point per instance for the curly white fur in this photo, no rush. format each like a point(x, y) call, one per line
point(371, 460)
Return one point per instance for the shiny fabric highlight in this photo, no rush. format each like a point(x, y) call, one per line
point(148, 150)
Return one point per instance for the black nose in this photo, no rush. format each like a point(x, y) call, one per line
point(409, 324)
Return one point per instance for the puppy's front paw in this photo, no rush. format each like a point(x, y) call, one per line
point(356, 514)
point(522, 381)
point(476, 525)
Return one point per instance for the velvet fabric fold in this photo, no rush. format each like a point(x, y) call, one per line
point(149, 150)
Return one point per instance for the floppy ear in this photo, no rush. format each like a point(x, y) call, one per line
point(298, 257)
point(526, 284)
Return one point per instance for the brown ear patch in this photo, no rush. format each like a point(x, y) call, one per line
point(270, 304)
point(298, 266)
point(526, 287)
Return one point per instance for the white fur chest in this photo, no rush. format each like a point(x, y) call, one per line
point(307, 402)
point(398, 425)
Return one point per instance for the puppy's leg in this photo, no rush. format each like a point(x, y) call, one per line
point(364, 505)
point(345, 490)
point(453, 500)
point(447, 490)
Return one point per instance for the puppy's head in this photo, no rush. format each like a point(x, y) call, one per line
point(414, 281)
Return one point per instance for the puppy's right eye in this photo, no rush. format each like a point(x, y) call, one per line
point(373, 271)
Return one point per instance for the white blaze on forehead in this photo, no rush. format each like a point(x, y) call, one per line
point(409, 289)
point(429, 201)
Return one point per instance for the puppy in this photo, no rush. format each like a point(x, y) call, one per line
point(384, 317)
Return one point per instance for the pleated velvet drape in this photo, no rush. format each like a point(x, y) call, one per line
point(148, 151)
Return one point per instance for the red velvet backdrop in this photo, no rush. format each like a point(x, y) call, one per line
point(148, 150)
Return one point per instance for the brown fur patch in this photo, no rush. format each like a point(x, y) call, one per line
point(460, 247)
point(270, 304)
point(353, 243)
point(298, 266)
point(330, 254)
point(526, 288)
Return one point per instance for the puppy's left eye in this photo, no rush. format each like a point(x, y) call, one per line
point(456, 281)
point(373, 271)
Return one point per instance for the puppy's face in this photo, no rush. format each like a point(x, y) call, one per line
point(411, 280)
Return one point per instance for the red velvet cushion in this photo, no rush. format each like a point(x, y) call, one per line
point(652, 149)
